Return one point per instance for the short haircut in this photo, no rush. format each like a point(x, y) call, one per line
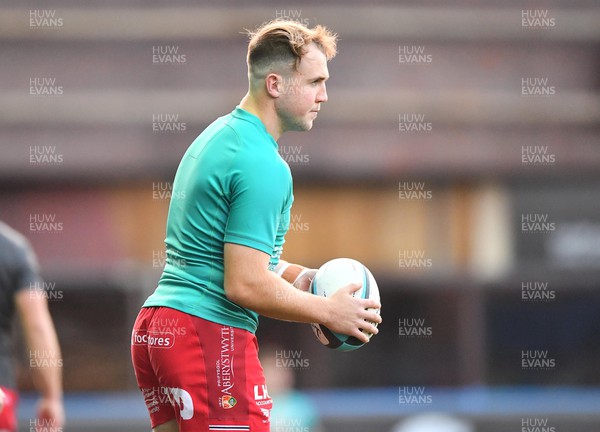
point(285, 42)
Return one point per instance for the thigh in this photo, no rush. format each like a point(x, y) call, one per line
point(157, 401)
point(237, 396)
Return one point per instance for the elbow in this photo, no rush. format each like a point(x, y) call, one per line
point(237, 293)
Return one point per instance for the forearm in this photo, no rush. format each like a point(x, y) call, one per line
point(45, 359)
point(250, 284)
point(272, 296)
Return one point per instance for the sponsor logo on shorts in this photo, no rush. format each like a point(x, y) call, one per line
point(224, 368)
point(157, 397)
point(262, 398)
point(182, 400)
point(228, 402)
point(267, 413)
point(261, 395)
point(152, 339)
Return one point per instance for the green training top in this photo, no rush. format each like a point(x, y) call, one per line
point(232, 186)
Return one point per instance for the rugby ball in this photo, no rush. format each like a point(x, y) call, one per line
point(332, 276)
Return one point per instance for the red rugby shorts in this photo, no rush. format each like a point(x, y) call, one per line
point(205, 375)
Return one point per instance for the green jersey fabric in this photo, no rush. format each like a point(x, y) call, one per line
point(232, 186)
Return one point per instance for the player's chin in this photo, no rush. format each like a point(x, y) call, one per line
point(308, 124)
point(303, 124)
point(303, 127)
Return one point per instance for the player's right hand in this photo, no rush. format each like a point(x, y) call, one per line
point(50, 411)
point(349, 315)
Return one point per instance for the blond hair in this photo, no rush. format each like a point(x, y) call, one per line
point(285, 42)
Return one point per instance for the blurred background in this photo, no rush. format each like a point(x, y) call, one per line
point(458, 157)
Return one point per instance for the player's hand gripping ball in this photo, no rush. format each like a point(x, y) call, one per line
point(332, 276)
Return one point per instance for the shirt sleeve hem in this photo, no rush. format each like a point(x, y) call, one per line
point(251, 243)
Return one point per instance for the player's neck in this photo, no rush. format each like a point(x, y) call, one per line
point(265, 113)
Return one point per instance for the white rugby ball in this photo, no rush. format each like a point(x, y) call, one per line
point(332, 276)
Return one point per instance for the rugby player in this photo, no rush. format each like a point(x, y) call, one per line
point(193, 346)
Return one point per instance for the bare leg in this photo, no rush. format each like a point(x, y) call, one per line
point(170, 426)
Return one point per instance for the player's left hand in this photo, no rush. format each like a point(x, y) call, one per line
point(304, 279)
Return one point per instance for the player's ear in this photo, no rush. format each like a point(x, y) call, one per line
point(274, 83)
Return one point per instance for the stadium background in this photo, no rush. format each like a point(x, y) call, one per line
point(435, 145)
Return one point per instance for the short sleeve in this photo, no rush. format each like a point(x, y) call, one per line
point(259, 193)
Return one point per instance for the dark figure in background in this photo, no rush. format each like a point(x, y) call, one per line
point(21, 290)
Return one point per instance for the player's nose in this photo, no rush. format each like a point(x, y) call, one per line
point(322, 94)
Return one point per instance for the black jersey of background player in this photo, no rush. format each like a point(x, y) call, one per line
point(18, 270)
